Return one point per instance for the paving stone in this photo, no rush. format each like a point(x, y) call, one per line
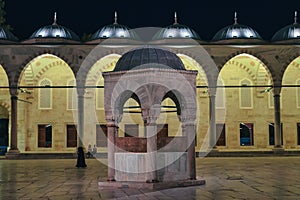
point(226, 178)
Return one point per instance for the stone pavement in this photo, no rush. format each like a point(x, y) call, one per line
point(226, 178)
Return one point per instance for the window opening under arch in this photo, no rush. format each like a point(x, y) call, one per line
point(45, 94)
point(246, 94)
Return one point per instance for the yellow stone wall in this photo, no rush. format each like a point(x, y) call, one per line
point(30, 115)
point(232, 74)
point(236, 70)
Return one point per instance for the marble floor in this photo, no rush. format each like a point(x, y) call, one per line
point(226, 178)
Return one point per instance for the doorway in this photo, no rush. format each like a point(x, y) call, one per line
point(246, 134)
point(220, 129)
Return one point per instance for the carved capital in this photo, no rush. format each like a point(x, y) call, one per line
point(113, 121)
point(13, 90)
point(110, 122)
point(150, 120)
point(150, 115)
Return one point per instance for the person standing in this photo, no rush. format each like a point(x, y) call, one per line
point(80, 158)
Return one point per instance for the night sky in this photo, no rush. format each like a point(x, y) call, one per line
point(205, 17)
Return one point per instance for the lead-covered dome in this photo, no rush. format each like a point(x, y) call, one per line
point(176, 30)
point(114, 30)
point(236, 31)
point(7, 35)
point(55, 31)
point(149, 57)
point(289, 32)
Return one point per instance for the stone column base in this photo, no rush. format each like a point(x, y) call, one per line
point(11, 154)
point(152, 185)
point(280, 148)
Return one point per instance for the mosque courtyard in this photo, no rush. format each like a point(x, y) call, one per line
point(226, 178)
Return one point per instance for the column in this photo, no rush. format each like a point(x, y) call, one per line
point(14, 125)
point(212, 121)
point(151, 132)
point(189, 130)
point(80, 119)
point(111, 141)
point(277, 123)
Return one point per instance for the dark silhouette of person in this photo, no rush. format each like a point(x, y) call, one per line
point(80, 158)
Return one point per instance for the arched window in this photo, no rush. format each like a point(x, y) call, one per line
point(72, 96)
point(220, 95)
point(246, 94)
point(45, 94)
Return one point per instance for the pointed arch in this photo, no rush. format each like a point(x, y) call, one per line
point(291, 95)
point(37, 55)
point(253, 66)
point(95, 78)
point(38, 66)
point(247, 66)
point(3, 77)
point(4, 92)
point(104, 64)
point(291, 72)
point(291, 60)
point(98, 53)
point(120, 101)
point(204, 59)
point(191, 64)
point(254, 55)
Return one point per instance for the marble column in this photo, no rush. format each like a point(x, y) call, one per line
point(111, 142)
point(14, 125)
point(212, 121)
point(189, 131)
point(277, 124)
point(151, 132)
point(80, 127)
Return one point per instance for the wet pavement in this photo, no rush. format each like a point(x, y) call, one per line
point(226, 178)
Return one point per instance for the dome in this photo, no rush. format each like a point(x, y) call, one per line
point(140, 57)
point(7, 35)
point(176, 30)
point(114, 30)
point(55, 31)
point(236, 31)
point(288, 32)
